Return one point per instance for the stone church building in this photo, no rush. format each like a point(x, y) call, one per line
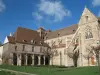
point(25, 46)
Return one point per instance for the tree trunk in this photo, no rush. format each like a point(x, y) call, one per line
point(88, 61)
point(52, 60)
point(75, 61)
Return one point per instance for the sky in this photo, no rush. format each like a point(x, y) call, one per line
point(49, 14)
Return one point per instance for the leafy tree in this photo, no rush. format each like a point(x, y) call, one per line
point(73, 53)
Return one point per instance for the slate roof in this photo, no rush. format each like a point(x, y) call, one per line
point(62, 32)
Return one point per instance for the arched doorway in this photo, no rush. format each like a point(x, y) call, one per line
point(29, 61)
point(22, 59)
point(35, 60)
point(14, 59)
point(47, 60)
point(42, 60)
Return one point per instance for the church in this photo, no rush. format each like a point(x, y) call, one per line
point(26, 46)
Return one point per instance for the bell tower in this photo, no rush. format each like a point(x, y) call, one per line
point(41, 32)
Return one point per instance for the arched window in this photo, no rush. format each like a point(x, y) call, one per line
point(88, 32)
point(86, 17)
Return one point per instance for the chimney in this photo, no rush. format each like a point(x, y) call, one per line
point(11, 34)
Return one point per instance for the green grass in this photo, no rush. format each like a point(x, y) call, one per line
point(5, 73)
point(54, 70)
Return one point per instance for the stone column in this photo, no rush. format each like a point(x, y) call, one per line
point(26, 59)
point(39, 60)
point(32, 60)
point(44, 60)
point(18, 59)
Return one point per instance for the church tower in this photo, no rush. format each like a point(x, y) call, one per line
point(41, 32)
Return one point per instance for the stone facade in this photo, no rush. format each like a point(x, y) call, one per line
point(86, 32)
point(14, 54)
point(88, 23)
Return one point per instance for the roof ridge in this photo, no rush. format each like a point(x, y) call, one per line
point(27, 29)
point(65, 27)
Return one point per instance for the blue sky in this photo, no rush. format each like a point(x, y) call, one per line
point(49, 14)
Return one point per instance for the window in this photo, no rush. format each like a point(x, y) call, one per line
point(86, 17)
point(41, 43)
point(88, 33)
point(73, 30)
point(24, 41)
point(32, 48)
point(23, 47)
point(33, 41)
point(58, 34)
point(15, 48)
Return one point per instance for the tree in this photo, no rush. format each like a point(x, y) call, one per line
point(88, 54)
point(50, 52)
point(96, 49)
point(73, 53)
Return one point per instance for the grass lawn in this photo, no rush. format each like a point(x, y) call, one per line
point(5, 73)
point(53, 70)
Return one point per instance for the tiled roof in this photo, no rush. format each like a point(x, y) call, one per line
point(62, 32)
point(23, 35)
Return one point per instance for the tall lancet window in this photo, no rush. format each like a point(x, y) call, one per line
point(86, 17)
point(88, 32)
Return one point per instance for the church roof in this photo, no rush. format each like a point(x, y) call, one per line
point(62, 32)
point(23, 35)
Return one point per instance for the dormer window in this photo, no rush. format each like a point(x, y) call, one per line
point(86, 17)
point(24, 41)
point(33, 41)
point(41, 42)
point(73, 30)
point(58, 34)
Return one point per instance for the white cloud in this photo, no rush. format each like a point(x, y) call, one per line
point(37, 16)
point(2, 6)
point(53, 9)
point(96, 3)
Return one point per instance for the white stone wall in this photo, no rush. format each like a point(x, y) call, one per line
point(93, 23)
point(63, 59)
point(83, 42)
